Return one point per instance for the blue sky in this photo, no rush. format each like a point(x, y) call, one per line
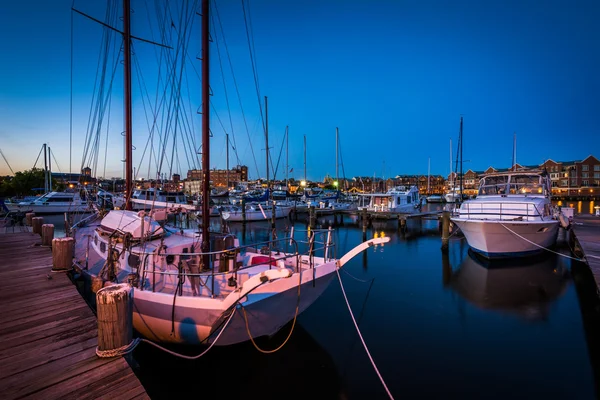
point(393, 75)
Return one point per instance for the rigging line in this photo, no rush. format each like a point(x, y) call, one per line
point(107, 135)
point(253, 63)
point(7, 163)
point(237, 90)
point(223, 76)
point(98, 82)
point(71, 99)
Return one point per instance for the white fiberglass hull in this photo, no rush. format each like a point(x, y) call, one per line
point(48, 208)
point(494, 238)
point(236, 215)
point(268, 308)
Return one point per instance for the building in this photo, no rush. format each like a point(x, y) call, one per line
point(218, 177)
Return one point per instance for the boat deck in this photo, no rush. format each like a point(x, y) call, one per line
point(586, 229)
point(48, 333)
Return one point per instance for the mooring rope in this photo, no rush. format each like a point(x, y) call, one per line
point(131, 346)
point(361, 337)
point(542, 247)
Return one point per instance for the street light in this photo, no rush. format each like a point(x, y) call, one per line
point(303, 183)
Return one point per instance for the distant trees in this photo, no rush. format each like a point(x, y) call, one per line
point(24, 183)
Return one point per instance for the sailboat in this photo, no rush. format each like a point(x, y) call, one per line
point(194, 286)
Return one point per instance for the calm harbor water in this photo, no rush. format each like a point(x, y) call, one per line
point(437, 327)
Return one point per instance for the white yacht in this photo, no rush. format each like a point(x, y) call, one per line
point(152, 198)
point(53, 203)
point(399, 199)
point(511, 216)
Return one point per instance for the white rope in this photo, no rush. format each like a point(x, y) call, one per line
point(361, 338)
point(129, 348)
point(542, 247)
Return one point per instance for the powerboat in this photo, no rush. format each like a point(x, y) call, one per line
point(512, 215)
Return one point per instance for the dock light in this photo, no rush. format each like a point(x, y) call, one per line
point(335, 183)
point(303, 183)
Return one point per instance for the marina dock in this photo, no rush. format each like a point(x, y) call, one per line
point(48, 333)
point(585, 240)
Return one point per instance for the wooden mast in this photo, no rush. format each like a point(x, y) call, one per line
point(127, 99)
point(205, 135)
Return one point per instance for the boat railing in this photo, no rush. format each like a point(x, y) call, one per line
point(189, 263)
point(501, 210)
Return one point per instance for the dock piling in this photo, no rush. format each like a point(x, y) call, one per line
point(445, 230)
point(47, 234)
point(36, 224)
point(62, 253)
point(28, 218)
point(115, 319)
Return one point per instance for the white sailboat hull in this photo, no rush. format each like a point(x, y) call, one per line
point(267, 309)
point(255, 214)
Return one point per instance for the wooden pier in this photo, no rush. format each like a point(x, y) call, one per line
point(48, 333)
point(585, 240)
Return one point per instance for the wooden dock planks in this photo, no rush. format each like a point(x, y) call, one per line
point(48, 334)
point(586, 229)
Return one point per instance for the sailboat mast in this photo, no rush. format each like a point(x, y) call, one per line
point(49, 170)
point(205, 135)
point(287, 152)
point(428, 173)
point(45, 169)
point(304, 158)
point(127, 99)
point(514, 160)
point(460, 142)
point(267, 138)
point(337, 172)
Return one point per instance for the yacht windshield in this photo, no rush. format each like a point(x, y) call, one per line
point(492, 185)
point(524, 184)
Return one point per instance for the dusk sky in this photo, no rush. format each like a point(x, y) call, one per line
point(395, 76)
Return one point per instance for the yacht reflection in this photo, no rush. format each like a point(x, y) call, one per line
point(524, 287)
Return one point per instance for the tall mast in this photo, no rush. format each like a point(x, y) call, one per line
point(49, 170)
point(127, 99)
point(428, 173)
point(45, 169)
point(287, 150)
point(451, 171)
point(304, 158)
point(205, 135)
point(514, 160)
point(337, 174)
point(460, 142)
point(267, 139)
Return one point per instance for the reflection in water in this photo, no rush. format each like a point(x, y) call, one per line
point(525, 287)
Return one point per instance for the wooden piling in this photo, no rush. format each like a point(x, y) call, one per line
point(114, 306)
point(312, 217)
point(402, 224)
point(243, 210)
point(62, 253)
point(47, 234)
point(445, 230)
point(36, 224)
point(28, 218)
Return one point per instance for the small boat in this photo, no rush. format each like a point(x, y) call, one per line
point(453, 195)
point(435, 198)
point(152, 198)
point(399, 199)
point(53, 203)
point(511, 216)
point(253, 211)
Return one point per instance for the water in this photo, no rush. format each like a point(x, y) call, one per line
point(437, 327)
